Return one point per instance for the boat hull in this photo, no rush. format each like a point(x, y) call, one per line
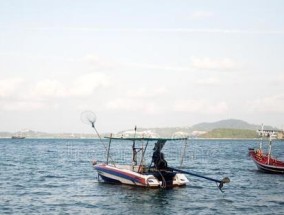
point(265, 163)
point(16, 137)
point(125, 175)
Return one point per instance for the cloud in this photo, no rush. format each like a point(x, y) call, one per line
point(16, 105)
point(50, 88)
point(10, 87)
point(208, 81)
point(154, 66)
point(147, 93)
point(87, 84)
point(144, 100)
point(83, 85)
point(14, 96)
point(201, 14)
point(195, 62)
point(135, 105)
point(277, 80)
point(200, 106)
point(213, 64)
point(98, 63)
point(204, 63)
point(123, 104)
point(271, 104)
point(20, 94)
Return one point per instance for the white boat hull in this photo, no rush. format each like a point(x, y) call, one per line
point(125, 175)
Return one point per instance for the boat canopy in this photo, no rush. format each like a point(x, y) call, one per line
point(159, 144)
point(147, 138)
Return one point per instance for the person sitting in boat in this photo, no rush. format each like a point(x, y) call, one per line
point(158, 157)
point(259, 152)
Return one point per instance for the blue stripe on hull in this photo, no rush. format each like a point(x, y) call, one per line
point(109, 180)
point(134, 178)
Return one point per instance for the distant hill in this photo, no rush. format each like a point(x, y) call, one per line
point(228, 123)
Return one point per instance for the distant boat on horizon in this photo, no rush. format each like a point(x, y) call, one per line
point(18, 137)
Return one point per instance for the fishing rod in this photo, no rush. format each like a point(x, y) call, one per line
point(134, 152)
point(225, 180)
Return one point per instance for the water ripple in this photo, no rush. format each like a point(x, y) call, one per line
point(56, 177)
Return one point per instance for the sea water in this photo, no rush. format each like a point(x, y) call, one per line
point(55, 176)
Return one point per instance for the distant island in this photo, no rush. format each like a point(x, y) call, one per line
point(230, 128)
point(44, 135)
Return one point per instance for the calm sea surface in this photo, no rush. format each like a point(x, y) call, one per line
point(56, 177)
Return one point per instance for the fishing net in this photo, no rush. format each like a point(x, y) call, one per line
point(88, 117)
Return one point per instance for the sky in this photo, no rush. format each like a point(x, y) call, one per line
point(150, 63)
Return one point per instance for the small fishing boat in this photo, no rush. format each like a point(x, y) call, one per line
point(18, 137)
point(265, 162)
point(156, 174)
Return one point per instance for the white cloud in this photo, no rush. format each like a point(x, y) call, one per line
point(208, 81)
point(200, 106)
point(98, 63)
point(213, 64)
point(195, 62)
point(50, 88)
point(138, 105)
point(10, 87)
point(124, 104)
point(201, 14)
point(142, 100)
point(20, 94)
point(153, 66)
point(16, 105)
point(278, 80)
point(87, 84)
point(92, 58)
point(83, 85)
point(147, 93)
point(271, 104)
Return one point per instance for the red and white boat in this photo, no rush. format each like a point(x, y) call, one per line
point(264, 161)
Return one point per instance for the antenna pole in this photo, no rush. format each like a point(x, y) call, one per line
point(134, 153)
point(260, 144)
point(269, 151)
point(108, 149)
point(183, 153)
